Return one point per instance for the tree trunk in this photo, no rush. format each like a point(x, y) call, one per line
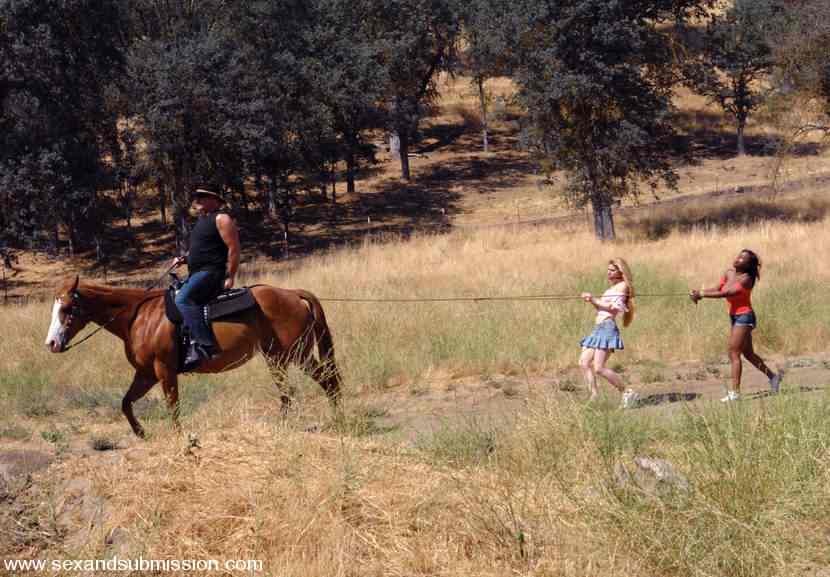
point(126, 189)
point(162, 189)
point(483, 102)
point(333, 176)
point(350, 170)
point(324, 181)
point(129, 207)
point(180, 212)
point(56, 239)
point(244, 200)
point(182, 244)
point(603, 221)
point(100, 255)
point(405, 157)
point(271, 206)
point(394, 146)
point(741, 129)
point(70, 234)
point(285, 208)
point(261, 195)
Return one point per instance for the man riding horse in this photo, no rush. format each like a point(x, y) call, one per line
point(285, 325)
point(212, 262)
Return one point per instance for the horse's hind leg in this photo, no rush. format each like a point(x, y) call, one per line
point(139, 387)
point(326, 374)
point(277, 366)
point(322, 369)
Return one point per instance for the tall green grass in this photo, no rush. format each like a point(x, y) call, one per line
point(756, 503)
point(758, 477)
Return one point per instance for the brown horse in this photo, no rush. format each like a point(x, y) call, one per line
point(283, 327)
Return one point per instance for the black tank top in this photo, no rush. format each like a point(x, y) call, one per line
point(207, 249)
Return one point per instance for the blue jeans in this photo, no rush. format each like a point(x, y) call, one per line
point(197, 291)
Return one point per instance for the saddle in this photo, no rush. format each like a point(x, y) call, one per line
point(225, 304)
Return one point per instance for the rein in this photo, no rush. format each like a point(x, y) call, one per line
point(106, 324)
point(76, 297)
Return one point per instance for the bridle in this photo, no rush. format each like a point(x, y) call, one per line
point(77, 311)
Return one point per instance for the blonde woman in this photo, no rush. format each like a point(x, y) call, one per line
point(605, 338)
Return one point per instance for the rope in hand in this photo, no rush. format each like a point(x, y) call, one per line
point(541, 297)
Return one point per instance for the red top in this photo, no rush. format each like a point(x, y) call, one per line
point(740, 303)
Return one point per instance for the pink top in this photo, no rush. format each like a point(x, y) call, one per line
point(615, 298)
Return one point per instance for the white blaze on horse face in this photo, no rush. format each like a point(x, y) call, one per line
point(54, 336)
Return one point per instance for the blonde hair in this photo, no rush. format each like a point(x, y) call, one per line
point(628, 279)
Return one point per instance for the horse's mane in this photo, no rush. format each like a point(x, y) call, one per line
point(128, 293)
point(129, 297)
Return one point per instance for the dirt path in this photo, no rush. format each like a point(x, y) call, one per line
point(411, 412)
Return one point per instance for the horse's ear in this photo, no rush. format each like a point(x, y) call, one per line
point(75, 284)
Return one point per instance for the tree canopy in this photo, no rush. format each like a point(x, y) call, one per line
point(60, 63)
point(267, 100)
point(736, 58)
point(595, 77)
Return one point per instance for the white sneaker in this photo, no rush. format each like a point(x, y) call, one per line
point(731, 396)
point(775, 383)
point(629, 399)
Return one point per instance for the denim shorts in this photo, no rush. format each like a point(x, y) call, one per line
point(744, 320)
point(605, 336)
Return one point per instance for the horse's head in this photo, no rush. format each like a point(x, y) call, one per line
point(68, 316)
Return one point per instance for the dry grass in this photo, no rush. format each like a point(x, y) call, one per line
point(726, 211)
point(320, 505)
point(542, 501)
point(381, 344)
point(532, 494)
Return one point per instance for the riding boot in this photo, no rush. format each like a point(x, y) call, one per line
point(208, 351)
point(193, 358)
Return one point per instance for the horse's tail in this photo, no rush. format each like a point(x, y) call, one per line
point(326, 372)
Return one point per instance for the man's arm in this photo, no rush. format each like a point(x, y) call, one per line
point(230, 234)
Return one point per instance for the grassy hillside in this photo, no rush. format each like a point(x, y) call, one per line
point(465, 445)
point(456, 185)
point(382, 344)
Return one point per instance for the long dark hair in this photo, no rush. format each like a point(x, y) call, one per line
point(753, 266)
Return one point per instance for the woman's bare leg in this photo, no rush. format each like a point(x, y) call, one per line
point(737, 338)
point(752, 357)
point(585, 363)
point(601, 356)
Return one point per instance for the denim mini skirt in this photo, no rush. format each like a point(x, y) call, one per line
point(605, 335)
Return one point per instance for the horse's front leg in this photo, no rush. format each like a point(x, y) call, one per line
point(170, 383)
point(139, 387)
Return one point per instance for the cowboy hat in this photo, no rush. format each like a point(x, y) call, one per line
point(205, 192)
